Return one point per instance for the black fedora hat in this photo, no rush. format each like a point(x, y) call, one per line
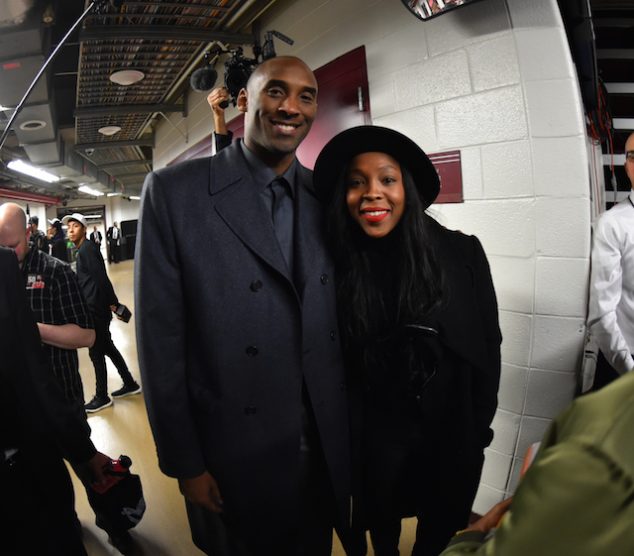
point(338, 152)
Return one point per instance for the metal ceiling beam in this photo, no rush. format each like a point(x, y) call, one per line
point(162, 32)
point(620, 88)
point(130, 176)
point(615, 53)
point(89, 111)
point(124, 163)
point(116, 144)
point(179, 5)
point(613, 21)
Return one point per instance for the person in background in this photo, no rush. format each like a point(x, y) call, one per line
point(419, 324)
point(578, 495)
point(95, 236)
point(102, 302)
point(218, 101)
point(237, 335)
point(62, 316)
point(37, 238)
point(611, 309)
point(37, 429)
point(113, 236)
point(57, 240)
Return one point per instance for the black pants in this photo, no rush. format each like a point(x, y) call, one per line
point(409, 474)
point(604, 373)
point(312, 537)
point(113, 252)
point(38, 506)
point(103, 347)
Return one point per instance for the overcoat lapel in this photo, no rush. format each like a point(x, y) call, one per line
point(239, 204)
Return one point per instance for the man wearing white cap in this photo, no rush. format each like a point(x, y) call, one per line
point(102, 300)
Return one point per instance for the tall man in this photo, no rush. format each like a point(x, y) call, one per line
point(58, 306)
point(102, 301)
point(237, 334)
point(611, 313)
point(113, 236)
point(95, 235)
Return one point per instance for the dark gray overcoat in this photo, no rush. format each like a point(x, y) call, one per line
point(225, 337)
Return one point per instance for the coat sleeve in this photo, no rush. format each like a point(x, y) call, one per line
point(487, 383)
point(573, 500)
point(161, 335)
point(606, 283)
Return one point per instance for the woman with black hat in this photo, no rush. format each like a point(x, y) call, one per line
point(419, 327)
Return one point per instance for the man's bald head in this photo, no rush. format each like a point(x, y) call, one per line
point(629, 158)
point(280, 104)
point(13, 230)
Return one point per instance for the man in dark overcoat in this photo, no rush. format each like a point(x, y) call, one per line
point(237, 333)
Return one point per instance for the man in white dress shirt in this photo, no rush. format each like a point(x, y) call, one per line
point(611, 314)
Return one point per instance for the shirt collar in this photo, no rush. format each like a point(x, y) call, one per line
point(263, 175)
point(632, 196)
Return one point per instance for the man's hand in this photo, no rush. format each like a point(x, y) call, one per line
point(95, 468)
point(215, 98)
point(491, 519)
point(203, 491)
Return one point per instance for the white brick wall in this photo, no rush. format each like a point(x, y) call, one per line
point(496, 81)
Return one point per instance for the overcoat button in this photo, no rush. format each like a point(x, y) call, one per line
point(324, 279)
point(251, 351)
point(332, 335)
point(256, 285)
point(250, 410)
point(342, 386)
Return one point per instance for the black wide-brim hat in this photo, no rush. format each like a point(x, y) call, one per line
point(342, 148)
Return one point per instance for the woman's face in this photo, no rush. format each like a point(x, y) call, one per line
point(375, 196)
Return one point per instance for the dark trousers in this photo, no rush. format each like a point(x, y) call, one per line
point(103, 347)
point(39, 507)
point(311, 537)
point(604, 373)
point(113, 251)
point(404, 478)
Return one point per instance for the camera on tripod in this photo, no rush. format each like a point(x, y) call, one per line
point(238, 68)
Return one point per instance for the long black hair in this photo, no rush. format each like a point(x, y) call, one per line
point(387, 282)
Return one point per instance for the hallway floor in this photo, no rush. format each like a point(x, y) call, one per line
point(124, 429)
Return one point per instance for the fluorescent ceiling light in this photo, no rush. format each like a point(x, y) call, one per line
point(4, 108)
point(90, 190)
point(109, 130)
point(127, 77)
point(92, 216)
point(135, 198)
point(24, 168)
point(113, 194)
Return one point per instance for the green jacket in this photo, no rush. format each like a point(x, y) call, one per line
point(578, 496)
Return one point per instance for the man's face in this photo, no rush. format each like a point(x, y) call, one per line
point(14, 237)
point(280, 106)
point(76, 232)
point(629, 159)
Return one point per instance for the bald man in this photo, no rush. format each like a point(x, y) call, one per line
point(58, 306)
point(611, 313)
point(237, 333)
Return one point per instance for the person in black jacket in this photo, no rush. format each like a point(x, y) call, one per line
point(102, 301)
point(37, 429)
point(57, 241)
point(419, 325)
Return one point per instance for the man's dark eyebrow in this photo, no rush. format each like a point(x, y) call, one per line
point(284, 85)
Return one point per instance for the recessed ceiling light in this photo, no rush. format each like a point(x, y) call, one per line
point(109, 130)
point(113, 194)
point(127, 77)
point(4, 108)
point(32, 125)
point(24, 168)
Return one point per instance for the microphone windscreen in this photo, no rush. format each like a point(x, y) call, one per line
point(203, 79)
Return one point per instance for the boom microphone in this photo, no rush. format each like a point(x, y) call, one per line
point(203, 79)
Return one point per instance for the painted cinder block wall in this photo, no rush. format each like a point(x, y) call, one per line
point(496, 81)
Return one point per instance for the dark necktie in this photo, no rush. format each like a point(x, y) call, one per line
point(282, 216)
